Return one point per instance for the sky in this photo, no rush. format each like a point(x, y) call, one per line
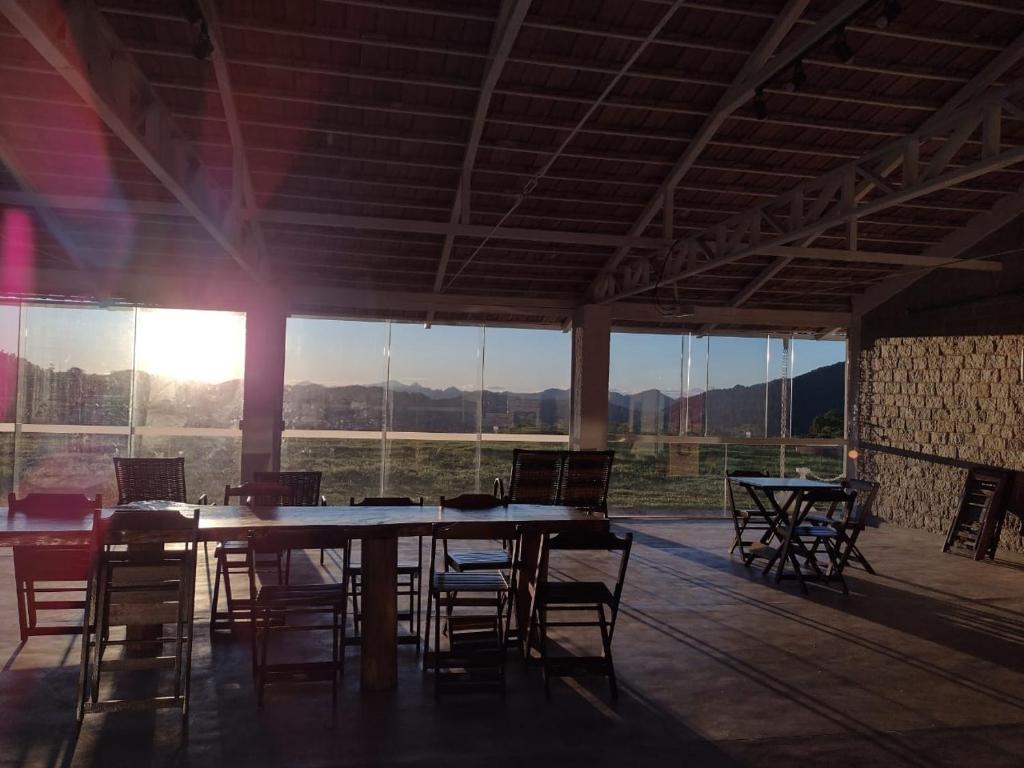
point(210, 346)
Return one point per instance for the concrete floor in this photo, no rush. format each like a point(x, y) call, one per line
point(920, 666)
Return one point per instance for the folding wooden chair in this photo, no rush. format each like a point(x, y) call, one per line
point(410, 581)
point(744, 518)
point(315, 607)
point(235, 556)
point(475, 657)
point(586, 476)
point(849, 521)
point(579, 597)
point(50, 572)
point(535, 477)
point(143, 579)
point(476, 559)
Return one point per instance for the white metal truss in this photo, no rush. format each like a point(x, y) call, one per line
point(81, 46)
point(927, 161)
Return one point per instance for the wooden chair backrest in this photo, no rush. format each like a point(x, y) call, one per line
point(304, 485)
point(257, 494)
point(536, 476)
point(860, 511)
point(586, 476)
point(53, 505)
point(385, 501)
point(472, 501)
point(728, 485)
point(593, 542)
point(157, 479)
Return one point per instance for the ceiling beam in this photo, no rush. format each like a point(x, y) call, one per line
point(506, 30)
point(980, 227)
point(241, 177)
point(757, 70)
point(816, 206)
point(81, 46)
point(880, 257)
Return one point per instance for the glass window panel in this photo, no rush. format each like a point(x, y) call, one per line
point(736, 396)
point(779, 363)
point(334, 374)
point(653, 475)
point(695, 369)
point(189, 366)
point(526, 381)
point(68, 463)
point(819, 388)
point(433, 388)
point(825, 462)
point(10, 319)
point(644, 381)
point(76, 365)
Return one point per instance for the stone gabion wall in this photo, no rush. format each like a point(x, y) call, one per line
point(954, 397)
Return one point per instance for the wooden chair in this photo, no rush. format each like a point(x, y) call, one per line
point(143, 577)
point(237, 556)
point(745, 518)
point(277, 607)
point(586, 476)
point(305, 486)
point(475, 657)
point(150, 480)
point(410, 582)
point(851, 522)
point(535, 477)
point(63, 571)
point(477, 559)
point(576, 598)
point(809, 537)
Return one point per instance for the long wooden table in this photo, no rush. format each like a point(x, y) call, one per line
point(379, 529)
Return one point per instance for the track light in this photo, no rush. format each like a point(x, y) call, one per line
point(202, 45)
point(840, 46)
point(760, 105)
point(890, 10)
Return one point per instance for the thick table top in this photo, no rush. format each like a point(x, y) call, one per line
point(222, 523)
point(784, 483)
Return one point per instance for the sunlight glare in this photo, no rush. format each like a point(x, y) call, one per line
point(191, 345)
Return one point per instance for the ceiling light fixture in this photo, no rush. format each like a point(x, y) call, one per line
point(202, 46)
point(760, 104)
point(890, 10)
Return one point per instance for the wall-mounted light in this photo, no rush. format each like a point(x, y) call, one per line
point(890, 10)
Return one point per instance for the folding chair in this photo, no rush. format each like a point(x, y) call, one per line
point(848, 520)
point(235, 556)
point(410, 581)
point(477, 559)
point(276, 607)
point(50, 572)
point(535, 477)
point(143, 579)
point(744, 518)
point(807, 537)
point(579, 597)
point(586, 476)
point(475, 657)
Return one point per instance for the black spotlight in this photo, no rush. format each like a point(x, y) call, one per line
point(890, 10)
point(840, 46)
point(760, 105)
point(202, 45)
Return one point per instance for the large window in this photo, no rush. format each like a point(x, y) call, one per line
point(404, 410)
point(81, 384)
point(685, 410)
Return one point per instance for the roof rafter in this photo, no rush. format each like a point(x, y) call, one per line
point(77, 41)
point(506, 30)
point(758, 69)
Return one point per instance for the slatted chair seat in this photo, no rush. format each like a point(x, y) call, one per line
point(313, 595)
point(480, 560)
point(477, 581)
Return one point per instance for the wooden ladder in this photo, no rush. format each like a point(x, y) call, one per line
point(979, 517)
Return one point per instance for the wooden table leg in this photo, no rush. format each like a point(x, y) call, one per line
point(379, 653)
point(526, 588)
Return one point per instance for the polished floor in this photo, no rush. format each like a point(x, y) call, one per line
point(922, 665)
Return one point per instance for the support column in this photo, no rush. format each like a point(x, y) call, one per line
point(263, 396)
point(591, 334)
point(852, 425)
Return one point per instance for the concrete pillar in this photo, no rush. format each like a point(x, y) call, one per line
point(591, 334)
point(263, 396)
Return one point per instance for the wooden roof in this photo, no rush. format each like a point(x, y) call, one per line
point(356, 122)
